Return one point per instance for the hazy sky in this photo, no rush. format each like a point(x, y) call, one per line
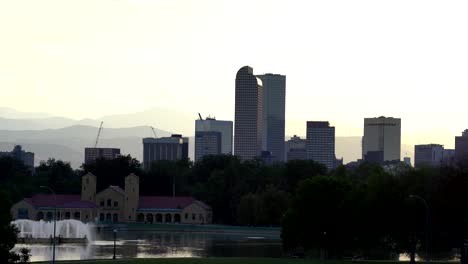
point(344, 60)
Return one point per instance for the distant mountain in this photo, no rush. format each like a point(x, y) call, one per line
point(15, 114)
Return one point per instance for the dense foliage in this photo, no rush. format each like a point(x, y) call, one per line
point(365, 210)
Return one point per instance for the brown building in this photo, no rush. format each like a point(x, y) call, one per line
point(114, 204)
point(92, 154)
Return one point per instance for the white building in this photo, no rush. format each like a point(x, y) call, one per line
point(382, 139)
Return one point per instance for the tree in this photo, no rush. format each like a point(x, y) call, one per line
point(8, 232)
point(59, 176)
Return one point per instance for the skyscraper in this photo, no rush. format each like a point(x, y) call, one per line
point(274, 100)
point(207, 143)
point(248, 114)
point(320, 143)
point(428, 155)
point(224, 127)
point(382, 139)
point(165, 148)
point(461, 146)
point(92, 154)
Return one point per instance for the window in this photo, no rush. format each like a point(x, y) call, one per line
point(129, 217)
point(186, 216)
point(101, 217)
point(109, 202)
point(200, 217)
point(193, 216)
point(23, 213)
point(101, 203)
point(116, 204)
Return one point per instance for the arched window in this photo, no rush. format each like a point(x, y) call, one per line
point(149, 218)
point(101, 217)
point(109, 202)
point(77, 215)
point(49, 216)
point(67, 215)
point(177, 218)
point(140, 218)
point(40, 216)
point(115, 218)
point(159, 218)
point(168, 218)
point(108, 217)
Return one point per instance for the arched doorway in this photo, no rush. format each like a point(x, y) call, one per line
point(168, 218)
point(49, 216)
point(101, 217)
point(140, 217)
point(108, 217)
point(40, 216)
point(177, 218)
point(77, 215)
point(115, 218)
point(159, 218)
point(149, 218)
point(67, 215)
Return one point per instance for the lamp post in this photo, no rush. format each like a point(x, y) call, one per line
point(55, 221)
point(417, 197)
point(115, 238)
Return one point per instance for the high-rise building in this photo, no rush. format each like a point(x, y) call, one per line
point(221, 126)
point(274, 101)
point(428, 155)
point(207, 143)
point(26, 157)
point(461, 146)
point(296, 149)
point(382, 139)
point(174, 147)
point(92, 154)
point(248, 114)
point(320, 143)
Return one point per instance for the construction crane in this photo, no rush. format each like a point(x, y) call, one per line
point(154, 132)
point(98, 134)
point(200, 116)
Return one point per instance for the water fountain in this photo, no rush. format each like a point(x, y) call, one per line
point(67, 230)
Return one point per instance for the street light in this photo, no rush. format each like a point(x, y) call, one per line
point(413, 196)
point(55, 221)
point(115, 238)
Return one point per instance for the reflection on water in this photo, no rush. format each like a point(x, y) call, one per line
point(154, 244)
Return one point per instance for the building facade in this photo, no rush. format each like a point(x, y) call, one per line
point(248, 120)
point(221, 126)
point(174, 147)
point(382, 139)
point(92, 154)
point(274, 105)
point(207, 143)
point(428, 155)
point(18, 153)
point(461, 146)
point(113, 204)
point(296, 149)
point(320, 143)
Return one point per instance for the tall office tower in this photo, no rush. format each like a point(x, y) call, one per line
point(207, 143)
point(174, 147)
point(461, 146)
point(382, 139)
point(92, 154)
point(320, 143)
point(428, 155)
point(274, 100)
point(224, 127)
point(296, 149)
point(248, 115)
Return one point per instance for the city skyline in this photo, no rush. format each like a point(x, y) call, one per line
point(346, 56)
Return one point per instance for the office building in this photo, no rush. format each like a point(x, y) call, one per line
point(174, 147)
point(207, 143)
point(92, 154)
point(26, 157)
point(320, 143)
point(296, 149)
point(428, 155)
point(274, 101)
point(461, 147)
point(382, 139)
point(212, 125)
point(248, 123)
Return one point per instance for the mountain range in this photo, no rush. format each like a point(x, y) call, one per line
point(64, 138)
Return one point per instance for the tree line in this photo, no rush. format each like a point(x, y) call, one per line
point(368, 210)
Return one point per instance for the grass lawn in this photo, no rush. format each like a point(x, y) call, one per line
point(226, 261)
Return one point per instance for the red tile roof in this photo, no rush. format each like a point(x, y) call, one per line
point(168, 202)
point(63, 201)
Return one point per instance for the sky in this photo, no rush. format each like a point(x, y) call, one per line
point(344, 60)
